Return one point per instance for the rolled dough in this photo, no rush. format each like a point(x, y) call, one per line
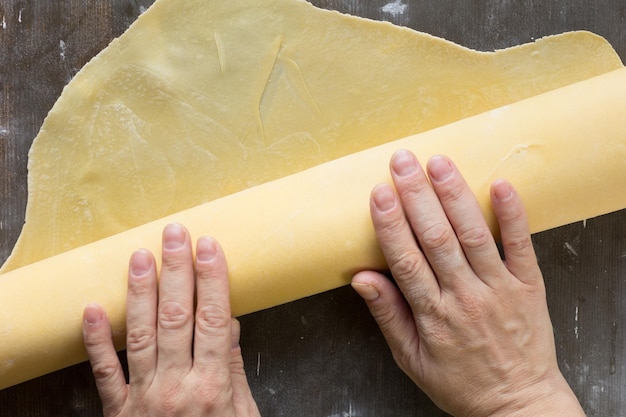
point(564, 150)
point(200, 99)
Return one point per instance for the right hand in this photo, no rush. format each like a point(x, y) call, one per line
point(471, 330)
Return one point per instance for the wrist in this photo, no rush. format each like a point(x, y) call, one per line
point(552, 397)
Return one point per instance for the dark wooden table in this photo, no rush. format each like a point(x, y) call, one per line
point(324, 356)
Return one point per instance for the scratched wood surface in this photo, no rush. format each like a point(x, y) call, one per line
point(323, 356)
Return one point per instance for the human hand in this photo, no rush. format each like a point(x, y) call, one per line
point(472, 331)
point(180, 364)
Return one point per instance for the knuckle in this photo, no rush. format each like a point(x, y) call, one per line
point(405, 266)
point(139, 288)
point(169, 401)
point(390, 225)
point(204, 273)
point(212, 317)
point(104, 370)
point(452, 193)
point(386, 318)
point(436, 236)
point(175, 262)
point(474, 237)
point(410, 190)
point(472, 308)
point(512, 214)
point(93, 340)
point(173, 315)
point(520, 244)
point(221, 380)
point(216, 396)
point(430, 306)
point(140, 338)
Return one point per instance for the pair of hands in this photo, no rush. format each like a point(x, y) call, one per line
point(472, 331)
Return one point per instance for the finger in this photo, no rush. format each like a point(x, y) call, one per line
point(236, 360)
point(105, 364)
point(406, 261)
point(466, 218)
point(517, 245)
point(141, 312)
point(242, 396)
point(175, 309)
point(212, 342)
point(428, 220)
point(392, 314)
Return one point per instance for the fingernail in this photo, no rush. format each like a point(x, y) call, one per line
point(92, 314)
point(366, 291)
point(173, 236)
point(206, 249)
point(384, 198)
point(140, 263)
point(439, 168)
point(502, 190)
point(404, 163)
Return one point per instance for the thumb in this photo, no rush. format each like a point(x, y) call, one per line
point(392, 314)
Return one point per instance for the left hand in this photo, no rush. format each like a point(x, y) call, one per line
point(180, 363)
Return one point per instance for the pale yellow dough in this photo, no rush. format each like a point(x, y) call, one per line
point(200, 99)
point(565, 151)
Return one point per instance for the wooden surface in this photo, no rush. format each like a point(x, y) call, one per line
point(324, 356)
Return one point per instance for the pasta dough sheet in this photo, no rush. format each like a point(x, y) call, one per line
point(565, 151)
point(200, 99)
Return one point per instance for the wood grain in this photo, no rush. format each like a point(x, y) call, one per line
point(324, 356)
